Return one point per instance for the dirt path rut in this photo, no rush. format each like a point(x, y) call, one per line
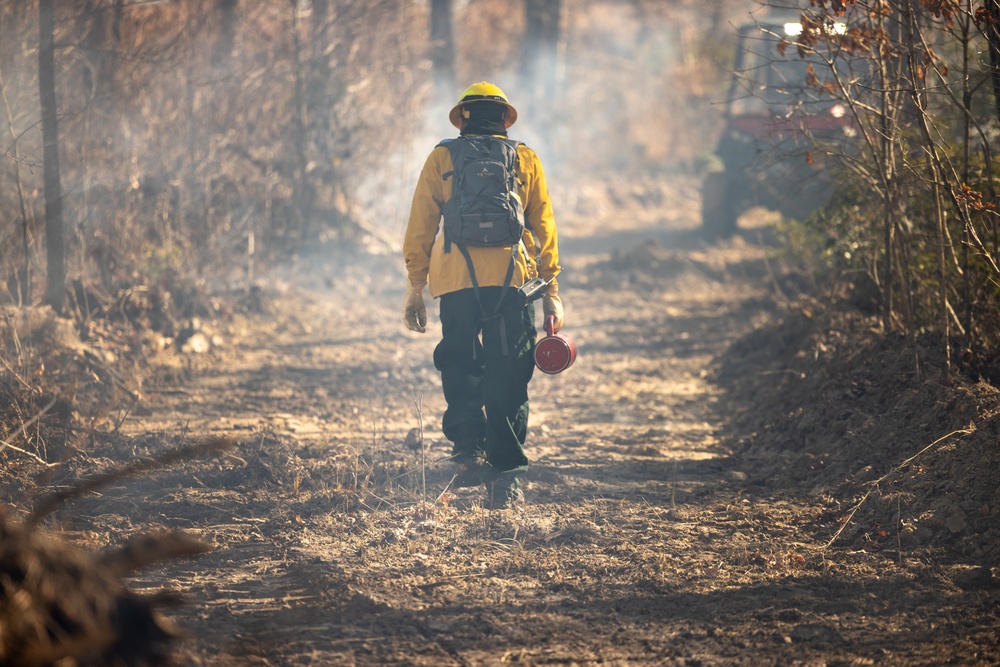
point(640, 543)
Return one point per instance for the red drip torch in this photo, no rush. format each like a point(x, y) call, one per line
point(554, 353)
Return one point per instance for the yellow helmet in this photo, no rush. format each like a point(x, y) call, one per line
point(482, 91)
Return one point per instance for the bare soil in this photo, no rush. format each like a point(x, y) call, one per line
point(722, 478)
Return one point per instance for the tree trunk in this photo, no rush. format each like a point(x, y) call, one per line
point(303, 191)
point(992, 30)
point(55, 292)
point(24, 275)
point(227, 32)
point(542, 21)
point(91, 21)
point(919, 97)
point(443, 49)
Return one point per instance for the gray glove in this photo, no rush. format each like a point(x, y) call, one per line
point(552, 305)
point(414, 310)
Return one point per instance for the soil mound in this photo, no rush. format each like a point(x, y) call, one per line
point(827, 407)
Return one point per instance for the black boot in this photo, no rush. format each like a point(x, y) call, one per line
point(504, 492)
point(469, 472)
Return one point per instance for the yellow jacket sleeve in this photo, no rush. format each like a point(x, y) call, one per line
point(423, 247)
point(540, 221)
point(425, 214)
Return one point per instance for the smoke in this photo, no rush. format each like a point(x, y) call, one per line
point(636, 93)
point(198, 129)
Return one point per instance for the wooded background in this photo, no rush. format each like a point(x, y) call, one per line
point(913, 227)
point(158, 149)
point(195, 135)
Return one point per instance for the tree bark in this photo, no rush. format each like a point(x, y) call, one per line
point(992, 30)
point(303, 190)
point(443, 49)
point(542, 32)
point(24, 275)
point(227, 31)
point(55, 292)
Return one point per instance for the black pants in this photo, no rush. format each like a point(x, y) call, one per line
point(486, 389)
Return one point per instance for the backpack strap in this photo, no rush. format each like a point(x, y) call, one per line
point(503, 293)
point(515, 144)
point(453, 146)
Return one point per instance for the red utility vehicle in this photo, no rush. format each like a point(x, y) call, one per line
point(780, 126)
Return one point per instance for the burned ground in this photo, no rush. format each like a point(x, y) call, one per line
point(734, 472)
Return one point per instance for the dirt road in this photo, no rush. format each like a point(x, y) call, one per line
point(644, 541)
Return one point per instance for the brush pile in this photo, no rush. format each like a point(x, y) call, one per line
point(61, 605)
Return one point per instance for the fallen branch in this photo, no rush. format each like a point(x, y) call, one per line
point(7, 445)
point(24, 429)
point(874, 484)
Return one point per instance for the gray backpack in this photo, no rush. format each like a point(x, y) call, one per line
point(484, 209)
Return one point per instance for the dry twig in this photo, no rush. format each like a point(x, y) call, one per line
point(874, 484)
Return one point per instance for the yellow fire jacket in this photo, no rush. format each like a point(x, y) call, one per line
point(423, 247)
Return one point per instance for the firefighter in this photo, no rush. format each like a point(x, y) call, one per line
point(487, 333)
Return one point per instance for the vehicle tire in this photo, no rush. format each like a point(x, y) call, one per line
point(718, 206)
